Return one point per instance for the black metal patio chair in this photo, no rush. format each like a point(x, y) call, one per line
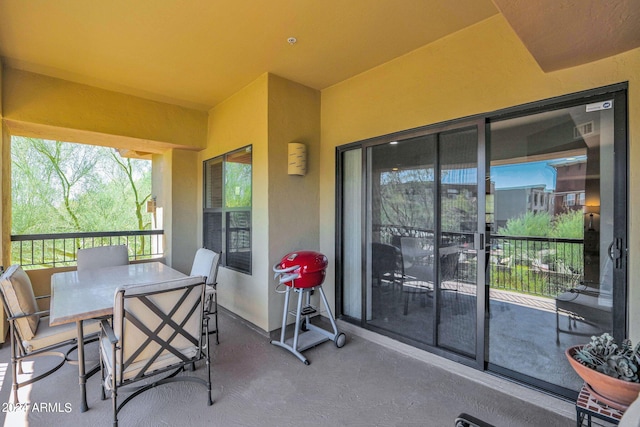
point(158, 330)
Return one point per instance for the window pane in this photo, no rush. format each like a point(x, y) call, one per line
point(238, 179)
point(239, 240)
point(212, 231)
point(213, 183)
point(227, 215)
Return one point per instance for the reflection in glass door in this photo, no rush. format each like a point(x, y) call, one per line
point(506, 271)
point(551, 219)
point(421, 232)
point(400, 231)
point(457, 237)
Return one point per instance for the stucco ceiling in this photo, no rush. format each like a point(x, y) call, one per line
point(565, 33)
point(197, 53)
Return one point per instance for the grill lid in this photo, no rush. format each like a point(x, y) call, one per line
point(309, 261)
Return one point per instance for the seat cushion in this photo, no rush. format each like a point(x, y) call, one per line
point(18, 294)
point(51, 335)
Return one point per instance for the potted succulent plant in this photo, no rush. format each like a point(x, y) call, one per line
point(609, 369)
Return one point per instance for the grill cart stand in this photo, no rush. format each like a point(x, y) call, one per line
point(302, 280)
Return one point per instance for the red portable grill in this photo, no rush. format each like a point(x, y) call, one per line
point(303, 272)
point(309, 272)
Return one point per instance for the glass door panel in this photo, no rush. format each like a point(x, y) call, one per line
point(552, 201)
point(400, 246)
point(456, 252)
point(352, 232)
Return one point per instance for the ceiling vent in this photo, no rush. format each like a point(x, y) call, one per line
point(582, 130)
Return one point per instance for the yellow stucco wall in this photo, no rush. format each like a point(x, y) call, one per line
point(4, 223)
point(269, 113)
point(239, 121)
point(480, 69)
point(37, 105)
point(294, 201)
point(184, 215)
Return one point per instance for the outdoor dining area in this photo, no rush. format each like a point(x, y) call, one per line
point(147, 320)
point(138, 344)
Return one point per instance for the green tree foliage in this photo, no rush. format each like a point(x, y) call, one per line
point(529, 224)
point(569, 225)
point(459, 213)
point(542, 224)
point(237, 185)
point(61, 187)
point(405, 198)
point(563, 258)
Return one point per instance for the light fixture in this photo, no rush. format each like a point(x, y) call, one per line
point(151, 205)
point(393, 143)
point(292, 40)
point(591, 210)
point(297, 159)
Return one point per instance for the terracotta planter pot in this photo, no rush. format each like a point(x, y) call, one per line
point(614, 392)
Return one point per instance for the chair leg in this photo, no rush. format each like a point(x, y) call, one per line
point(212, 309)
point(215, 304)
point(19, 356)
point(14, 363)
point(114, 403)
point(14, 377)
point(406, 303)
point(103, 394)
point(208, 363)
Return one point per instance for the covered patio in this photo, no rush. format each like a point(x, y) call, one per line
point(188, 83)
point(371, 381)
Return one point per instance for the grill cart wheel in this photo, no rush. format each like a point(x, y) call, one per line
point(340, 340)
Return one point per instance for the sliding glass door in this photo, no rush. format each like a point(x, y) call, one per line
point(553, 232)
point(419, 239)
point(497, 242)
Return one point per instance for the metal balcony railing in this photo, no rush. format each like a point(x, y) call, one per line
point(59, 250)
point(538, 266)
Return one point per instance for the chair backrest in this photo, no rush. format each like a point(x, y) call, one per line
point(449, 260)
point(159, 326)
point(386, 262)
point(102, 256)
point(205, 263)
point(19, 299)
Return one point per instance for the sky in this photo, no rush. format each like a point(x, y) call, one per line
point(526, 174)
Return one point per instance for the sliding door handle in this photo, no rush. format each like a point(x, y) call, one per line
point(615, 252)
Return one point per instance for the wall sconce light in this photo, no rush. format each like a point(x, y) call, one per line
point(297, 159)
point(591, 210)
point(151, 205)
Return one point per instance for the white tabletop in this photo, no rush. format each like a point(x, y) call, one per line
point(89, 294)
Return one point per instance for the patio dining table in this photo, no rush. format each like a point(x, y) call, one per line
point(77, 296)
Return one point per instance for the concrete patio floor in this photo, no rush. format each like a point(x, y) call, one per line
point(371, 381)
